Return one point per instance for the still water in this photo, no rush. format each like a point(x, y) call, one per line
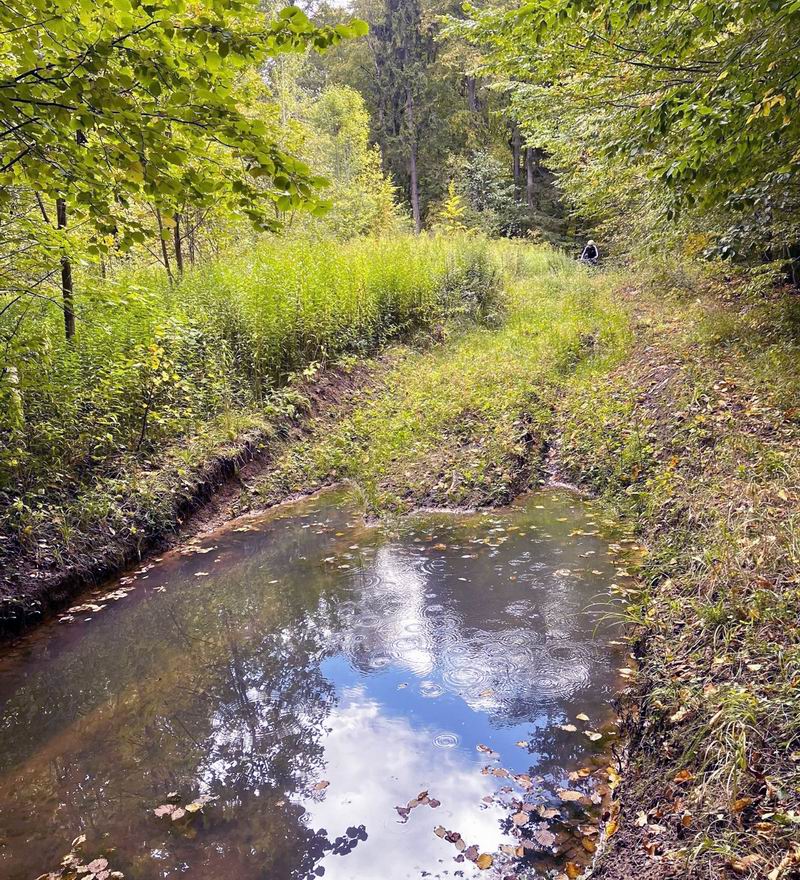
point(333, 702)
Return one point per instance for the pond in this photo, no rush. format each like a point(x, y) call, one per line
point(301, 695)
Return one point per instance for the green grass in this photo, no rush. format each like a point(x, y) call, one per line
point(461, 423)
point(697, 438)
point(154, 364)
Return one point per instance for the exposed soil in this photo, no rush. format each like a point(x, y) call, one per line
point(29, 591)
point(688, 404)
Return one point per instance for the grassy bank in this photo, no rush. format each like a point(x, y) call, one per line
point(465, 423)
point(696, 436)
point(104, 438)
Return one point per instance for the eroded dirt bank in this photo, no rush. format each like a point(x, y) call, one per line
point(175, 502)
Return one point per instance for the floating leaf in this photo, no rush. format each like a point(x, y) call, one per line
point(593, 735)
point(544, 837)
point(582, 717)
point(568, 795)
point(484, 861)
point(569, 728)
point(164, 810)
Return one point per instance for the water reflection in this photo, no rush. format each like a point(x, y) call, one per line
point(309, 676)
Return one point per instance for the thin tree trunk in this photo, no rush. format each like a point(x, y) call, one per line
point(164, 251)
point(516, 159)
point(67, 292)
point(176, 235)
point(412, 165)
point(530, 191)
point(190, 236)
point(472, 94)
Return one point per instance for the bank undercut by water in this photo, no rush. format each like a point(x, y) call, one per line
point(109, 440)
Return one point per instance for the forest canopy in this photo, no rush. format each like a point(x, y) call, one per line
point(661, 118)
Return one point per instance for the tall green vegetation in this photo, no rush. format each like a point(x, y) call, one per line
point(363, 198)
point(157, 360)
point(669, 123)
point(114, 107)
point(463, 423)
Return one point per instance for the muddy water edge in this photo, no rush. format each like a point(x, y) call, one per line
point(299, 695)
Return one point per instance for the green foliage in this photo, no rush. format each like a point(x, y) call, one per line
point(157, 360)
point(488, 190)
point(362, 197)
point(421, 94)
point(661, 118)
point(450, 217)
point(696, 436)
point(109, 101)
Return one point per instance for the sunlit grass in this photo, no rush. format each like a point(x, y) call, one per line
point(460, 424)
point(153, 363)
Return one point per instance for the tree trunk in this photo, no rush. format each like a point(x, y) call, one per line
point(190, 236)
point(472, 94)
point(67, 293)
point(516, 159)
point(412, 165)
point(164, 251)
point(176, 235)
point(530, 166)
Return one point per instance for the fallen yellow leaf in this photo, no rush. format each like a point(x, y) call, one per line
point(484, 861)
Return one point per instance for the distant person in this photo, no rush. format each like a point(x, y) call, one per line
point(590, 253)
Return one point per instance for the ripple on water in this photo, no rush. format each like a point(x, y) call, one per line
point(466, 677)
point(562, 670)
point(377, 661)
point(430, 689)
point(521, 608)
point(446, 740)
